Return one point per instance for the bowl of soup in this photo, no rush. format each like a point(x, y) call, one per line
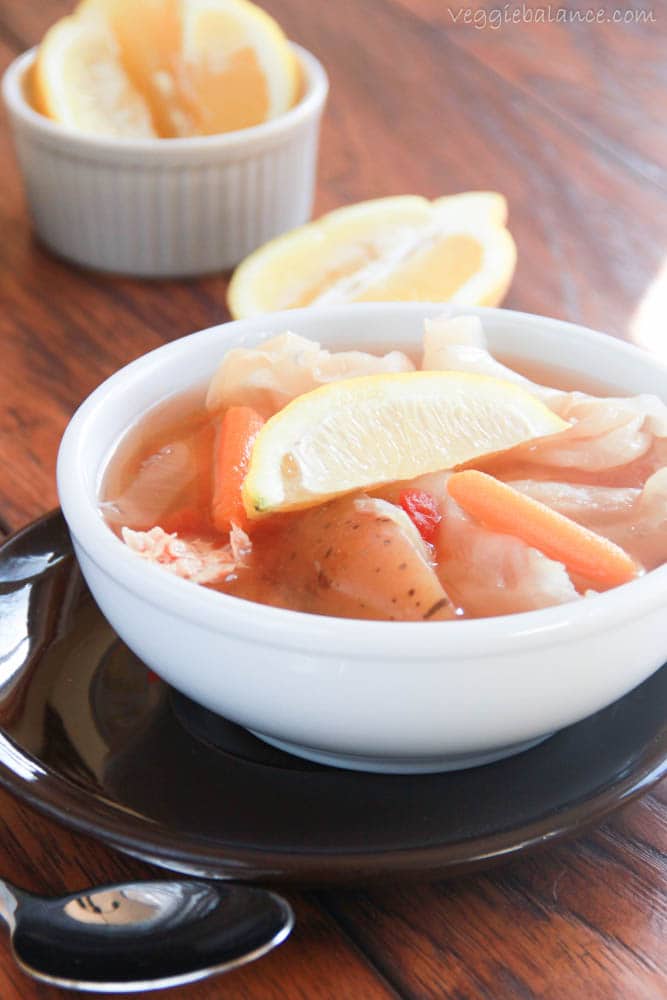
point(437, 621)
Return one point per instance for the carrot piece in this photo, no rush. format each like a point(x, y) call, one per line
point(500, 508)
point(234, 441)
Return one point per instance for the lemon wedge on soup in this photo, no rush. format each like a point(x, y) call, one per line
point(362, 432)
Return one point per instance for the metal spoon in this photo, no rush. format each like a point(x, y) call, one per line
point(142, 935)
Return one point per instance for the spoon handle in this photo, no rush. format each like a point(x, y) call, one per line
point(9, 902)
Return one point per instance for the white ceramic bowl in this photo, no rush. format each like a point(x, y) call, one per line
point(166, 207)
point(392, 696)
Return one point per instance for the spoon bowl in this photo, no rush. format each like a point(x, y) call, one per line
point(137, 936)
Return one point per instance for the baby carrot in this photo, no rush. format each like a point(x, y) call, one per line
point(233, 446)
point(500, 508)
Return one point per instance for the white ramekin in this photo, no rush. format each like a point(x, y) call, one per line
point(166, 207)
point(393, 696)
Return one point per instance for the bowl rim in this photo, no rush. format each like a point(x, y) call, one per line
point(309, 104)
point(330, 636)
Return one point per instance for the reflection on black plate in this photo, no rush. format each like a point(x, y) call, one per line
point(89, 735)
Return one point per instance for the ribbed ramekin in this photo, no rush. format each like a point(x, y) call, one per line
point(166, 207)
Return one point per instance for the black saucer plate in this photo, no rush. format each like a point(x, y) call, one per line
point(88, 735)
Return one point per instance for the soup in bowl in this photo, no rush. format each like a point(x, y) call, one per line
point(267, 593)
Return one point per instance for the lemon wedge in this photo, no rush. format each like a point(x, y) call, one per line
point(455, 248)
point(238, 65)
point(148, 37)
point(362, 432)
point(79, 80)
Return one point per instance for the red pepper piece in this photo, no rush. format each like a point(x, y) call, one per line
point(422, 510)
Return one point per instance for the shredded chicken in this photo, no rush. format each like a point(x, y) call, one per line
point(198, 561)
point(240, 544)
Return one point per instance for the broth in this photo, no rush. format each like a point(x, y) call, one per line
point(161, 474)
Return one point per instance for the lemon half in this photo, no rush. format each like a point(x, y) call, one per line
point(407, 248)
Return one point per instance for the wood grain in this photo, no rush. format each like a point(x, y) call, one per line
point(569, 122)
point(578, 73)
point(547, 927)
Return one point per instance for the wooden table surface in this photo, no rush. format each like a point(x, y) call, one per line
point(570, 122)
